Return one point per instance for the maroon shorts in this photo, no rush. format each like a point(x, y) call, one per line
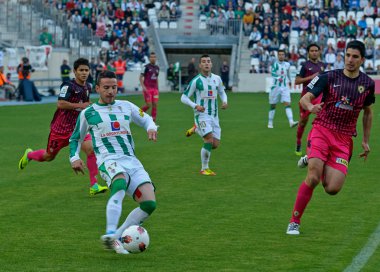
point(151, 95)
point(334, 148)
point(58, 141)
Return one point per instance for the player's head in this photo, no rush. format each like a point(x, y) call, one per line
point(205, 64)
point(313, 51)
point(81, 70)
point(354, 56)
point(106, 87)
point(281, 55)
point(152, 58)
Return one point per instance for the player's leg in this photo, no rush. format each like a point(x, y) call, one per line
point(286, 100)
point(273, 100)
point(144, 195)
point(87, 148)
point(304, 118)
point(55, 144)
point(154, 104)
point(208, 141)
point(148, 100)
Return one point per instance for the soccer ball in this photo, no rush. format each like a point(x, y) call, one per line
point(135, 239)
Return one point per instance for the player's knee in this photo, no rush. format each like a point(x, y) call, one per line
point(118, 185)
point(49, 157)
point(331, 191)
point(148, 206)
point(313, 180)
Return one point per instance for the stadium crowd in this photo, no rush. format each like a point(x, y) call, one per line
point(292, 25)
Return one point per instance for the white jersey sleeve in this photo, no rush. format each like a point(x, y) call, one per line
point(76, 139)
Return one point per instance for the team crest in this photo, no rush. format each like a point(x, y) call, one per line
point(361, 89)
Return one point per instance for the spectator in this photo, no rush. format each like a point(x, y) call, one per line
point(46, 38)
point(313, 37)
point(362, 23)
point(304, 23)
point(339, 62)
point(212, 23)
point(369, 52)
point(224, 74)
point(172, 77)
point(369, 40)
point(351, 30)
point(369, 68)
point(323, 29)
point(369, 10)
point(330, 57)
point(164, 14)
point(6, 85)
point(247, 22)
point(341, 44)
point(65, 71)
point(254, 37)
point(377, 52)
point(331, 32)
point(266, 42)
point(295, 24)
point(191, 70)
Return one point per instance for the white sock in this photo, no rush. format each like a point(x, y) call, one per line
point(289, 114)
point(271, 116)
point(113, 211)
point(205, 158)
point(136, 217)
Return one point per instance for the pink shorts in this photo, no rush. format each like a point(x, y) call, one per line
point(58, 141)
point(334, 148)
point(151, 95)
point(305, 113)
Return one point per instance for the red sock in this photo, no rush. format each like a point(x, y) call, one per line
point(92, 168)
point(37, 155)
point(145, 108)
point(300, 130)
point(154, 113)
point(303, 197)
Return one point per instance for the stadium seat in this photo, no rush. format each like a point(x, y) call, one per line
point(332, 41)
point(164, 25)
point(296, 13)
point(351, 13)
point(293, 41)
point(173, 25)
point(300, 61)
point(370, 22)
point(377, 42)
point(151, 12)
point(156, 25)
point(332, 21)
point(255, 63)
point(377, 63)
point(266, 7)
point(368, 61)
point(248, 5)
point(143, 24)
point(157, 5)
point(341, 13)
point(203, 18)
point(294, 34)
point(315, 13)
point(359, 15)
point(202, 25)
point(105, 44)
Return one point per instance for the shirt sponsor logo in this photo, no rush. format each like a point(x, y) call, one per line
point(209, 93)
point(63, 91)
point(114, 133)
point(115, 126)
point(312, 83)
point(342, 161)
point(344, 103)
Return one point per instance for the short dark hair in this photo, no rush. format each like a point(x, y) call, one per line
point(105, 74)
point(358, 45)
point(81, 61)
point(312, 45)
point(203, 56)
point(281, 50)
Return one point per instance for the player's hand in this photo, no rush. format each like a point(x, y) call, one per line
point(78, 166)
point(152, 135)
point(224, 106)
point(365, 152)
point(316, 108)
point(85, 105)
point(200, 108)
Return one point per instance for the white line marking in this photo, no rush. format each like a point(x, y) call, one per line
point(365, 254)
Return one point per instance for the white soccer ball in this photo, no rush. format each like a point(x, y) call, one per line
point(135, 239)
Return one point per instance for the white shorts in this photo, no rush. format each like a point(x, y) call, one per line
point(208, 124)
point(134, 176)
point(279, 94)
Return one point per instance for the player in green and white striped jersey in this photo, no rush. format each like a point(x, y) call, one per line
point(280, 91)
point(205, 88)
point(108, 122)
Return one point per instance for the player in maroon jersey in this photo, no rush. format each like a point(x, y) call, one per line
point(149, 84)
point(309, 70)
point(73, 97)
point(344, 94)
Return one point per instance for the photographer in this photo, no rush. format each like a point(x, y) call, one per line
point(24, 69)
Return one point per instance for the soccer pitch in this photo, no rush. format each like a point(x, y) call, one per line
point(234, 221)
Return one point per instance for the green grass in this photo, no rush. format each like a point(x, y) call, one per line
point(234, 221)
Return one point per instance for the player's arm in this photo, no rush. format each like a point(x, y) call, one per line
point(76, 139)
point(63, 102)
point(315, 88)
point(140, 118)
point(367, 122)
point(141, 78)
point(185, 98)
point(222, 94)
